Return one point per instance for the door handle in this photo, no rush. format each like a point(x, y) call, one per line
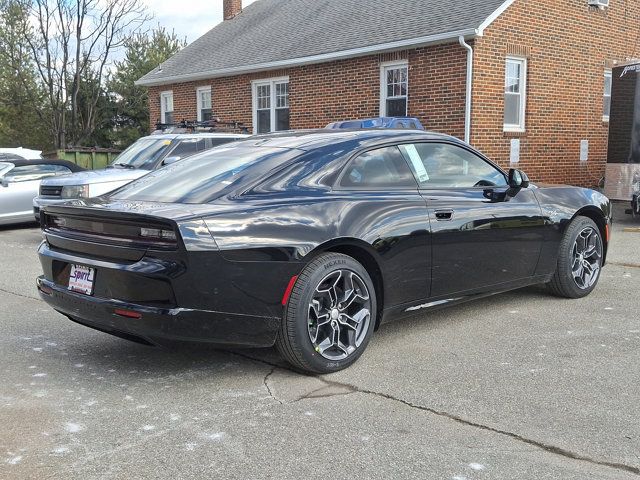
point(444, 215)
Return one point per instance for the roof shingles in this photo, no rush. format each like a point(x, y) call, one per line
point(270, 31)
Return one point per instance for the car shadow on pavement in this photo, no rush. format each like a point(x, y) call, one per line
point(103, 353)
point(20, 226)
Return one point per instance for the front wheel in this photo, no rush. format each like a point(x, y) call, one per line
point(330, 316)
point(579, 260)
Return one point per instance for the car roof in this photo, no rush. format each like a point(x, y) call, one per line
point(63, 163)
point(174, 136)
point(310, 139)
point(10, 157)
point(25, 153)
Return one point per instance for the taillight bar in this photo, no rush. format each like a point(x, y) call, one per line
point(113, 231)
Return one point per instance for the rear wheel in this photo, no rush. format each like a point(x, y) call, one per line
point(579, 260)
point(330, 315)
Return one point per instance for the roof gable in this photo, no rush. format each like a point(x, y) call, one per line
point(279, 33)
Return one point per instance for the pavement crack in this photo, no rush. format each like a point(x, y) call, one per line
point(18, 294)
point(326, 391)
point(535, 443)
point(266, 384)
point(623, 264)
point(350, 389)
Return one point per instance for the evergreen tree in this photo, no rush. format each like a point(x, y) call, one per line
point(143, 53)
point(23, 114)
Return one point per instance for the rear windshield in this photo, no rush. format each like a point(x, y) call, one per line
point(142, 154)
point(204, 177)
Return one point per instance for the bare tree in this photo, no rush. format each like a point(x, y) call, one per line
point(73, 41)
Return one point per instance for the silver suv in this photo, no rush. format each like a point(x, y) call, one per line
point(147, 154)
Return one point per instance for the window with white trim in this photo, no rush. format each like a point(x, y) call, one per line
point(515, 94)
point(394, 89)
point(606, 109)
point(166, 107)
point(271, 105)
point(204, 103)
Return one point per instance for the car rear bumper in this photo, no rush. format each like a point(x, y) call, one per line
point(166, 291)
point(156, 326)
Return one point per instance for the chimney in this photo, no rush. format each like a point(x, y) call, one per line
point(231, 8)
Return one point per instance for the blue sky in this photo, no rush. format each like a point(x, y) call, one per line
point(189, 18)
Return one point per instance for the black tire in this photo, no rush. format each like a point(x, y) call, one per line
point(294, 339)
point(563, 283)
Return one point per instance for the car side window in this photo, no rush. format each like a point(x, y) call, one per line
point(378, 169)
point(34, 172)
point(443, 165)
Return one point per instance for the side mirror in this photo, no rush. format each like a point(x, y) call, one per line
point(4, 182)
point(170, 160)
point(518, 179)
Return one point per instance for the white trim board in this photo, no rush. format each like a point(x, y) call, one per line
point(199, 90)
point(254, 99)
point(383, 83)
point(325, 57)
point(493, 17)
point(163, 111)
point(524, 74)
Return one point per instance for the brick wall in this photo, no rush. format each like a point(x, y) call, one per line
point(568, 46)
point(341, 90)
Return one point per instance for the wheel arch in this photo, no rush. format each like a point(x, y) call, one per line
point(594, 213)
point(364, 254)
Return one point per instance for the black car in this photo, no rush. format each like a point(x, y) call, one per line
point(310, 240)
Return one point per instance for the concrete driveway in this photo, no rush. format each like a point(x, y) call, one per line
point(517, 386)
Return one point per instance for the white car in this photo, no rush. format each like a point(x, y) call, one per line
point(25, 153)
point(145, 155)
point(19, 183)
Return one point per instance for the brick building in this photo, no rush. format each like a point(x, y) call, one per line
point(526, 82)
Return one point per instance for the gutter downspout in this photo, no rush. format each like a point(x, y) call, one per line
point(467, 107)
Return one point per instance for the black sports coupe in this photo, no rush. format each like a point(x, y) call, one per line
point(310, 240)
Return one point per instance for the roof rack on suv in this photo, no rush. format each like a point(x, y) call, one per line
point(206, 126)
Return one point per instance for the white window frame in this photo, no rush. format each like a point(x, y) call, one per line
point(200, 90)
point(521, 127)
point(163, 111)
point(607, 74)
point(272, 82)
point(384, 67)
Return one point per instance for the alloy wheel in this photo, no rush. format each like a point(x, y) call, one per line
point(339, 314)
point(587, 255)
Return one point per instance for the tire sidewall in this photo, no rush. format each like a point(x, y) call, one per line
point(566, 256)
point(299, 313)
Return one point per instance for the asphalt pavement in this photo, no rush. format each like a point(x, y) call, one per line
point(516, 386)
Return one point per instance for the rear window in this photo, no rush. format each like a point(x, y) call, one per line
point(205, 176)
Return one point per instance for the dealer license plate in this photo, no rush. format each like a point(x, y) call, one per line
point(81, 279)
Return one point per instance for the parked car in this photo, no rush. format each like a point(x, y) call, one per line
point(19, 183)
point(145, 155)
point(410, 123)
point(22, 153)
point(310, 240)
